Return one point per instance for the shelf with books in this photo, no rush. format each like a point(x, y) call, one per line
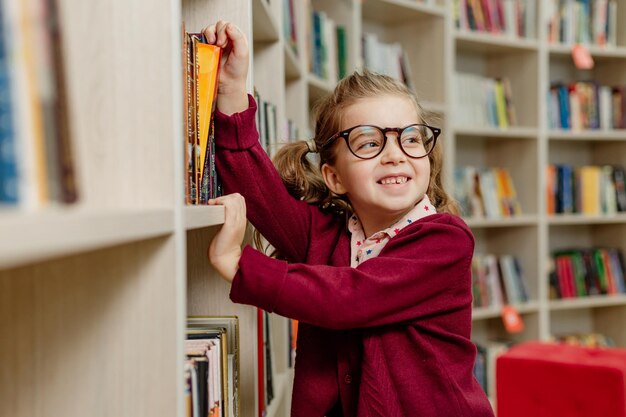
point(512, 163)
point(520, 242)
point(513, 19)
point(597, 23)
point(407, 32)
point(37, 236)
point(493, 90)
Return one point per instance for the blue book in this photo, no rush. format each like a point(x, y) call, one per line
point(8, 164)
point(564, 106)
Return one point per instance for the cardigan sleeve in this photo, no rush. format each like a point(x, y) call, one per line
point(244, 167)
point(418, 274)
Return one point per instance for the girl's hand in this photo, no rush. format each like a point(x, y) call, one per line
point(225, 248)
point(232, 94)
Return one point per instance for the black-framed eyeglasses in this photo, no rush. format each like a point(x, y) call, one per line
point(368, 141)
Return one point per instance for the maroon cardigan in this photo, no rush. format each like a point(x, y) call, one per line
point(388, 338)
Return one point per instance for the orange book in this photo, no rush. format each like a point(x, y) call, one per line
point(551, 189)
point(207, 65)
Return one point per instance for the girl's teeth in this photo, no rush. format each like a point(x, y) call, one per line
point(397, 180)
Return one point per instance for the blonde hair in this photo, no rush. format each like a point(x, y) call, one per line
point(303, 178)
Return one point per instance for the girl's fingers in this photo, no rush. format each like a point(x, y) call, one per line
point(209, 34)
point(220, 33)
point(239, 43)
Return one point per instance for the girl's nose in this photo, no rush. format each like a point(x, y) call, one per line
point(392, 153)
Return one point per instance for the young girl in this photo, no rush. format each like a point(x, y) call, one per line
point(377, 271)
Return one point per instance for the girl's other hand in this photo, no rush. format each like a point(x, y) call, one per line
point(232, 93)
point(225, 248)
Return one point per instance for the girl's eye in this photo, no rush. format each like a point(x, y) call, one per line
point(413, 140)
point(370, 144)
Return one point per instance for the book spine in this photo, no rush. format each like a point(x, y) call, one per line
point(8, 163)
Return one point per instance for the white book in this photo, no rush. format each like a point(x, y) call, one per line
point(330, 41)
point(608, 197)
point(509, 278)
point(612, 24)
point(22, 91)
point(530, 19)
point(493, 280)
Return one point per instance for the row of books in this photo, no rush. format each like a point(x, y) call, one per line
point(267, 123)
point(327, 47)
point(36, 155)
point(582, 21)
point(200, 73)
point(515, 18)
point(497, 281)
point(585, 272)
point(485, 192)
point(589, 190)
point(271, 135)
point(484, 101)
point(212, 367)
point(388, 58)
point(586, 105)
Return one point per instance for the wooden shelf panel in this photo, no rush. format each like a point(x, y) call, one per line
point(493, 132)
point(517, 221)
point(399, 11)
point(197, 217)
point(588, 135)
point(597, 52)
point(282, 387)
point(265, 28)
point(318, 87)
point(581, 219)
point(485, 313)
point(595, 301)
point(292, 64)
point(433, 106)
point(488, 43)
point(37, 236)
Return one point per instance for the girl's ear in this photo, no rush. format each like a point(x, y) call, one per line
point(332, 179)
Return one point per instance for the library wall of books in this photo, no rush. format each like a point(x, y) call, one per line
point(108, 302)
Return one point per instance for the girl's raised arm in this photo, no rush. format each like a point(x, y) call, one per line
point(242, 164)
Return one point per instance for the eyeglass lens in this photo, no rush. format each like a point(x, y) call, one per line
point(368, 141)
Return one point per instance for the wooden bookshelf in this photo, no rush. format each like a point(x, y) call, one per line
point(93, 297)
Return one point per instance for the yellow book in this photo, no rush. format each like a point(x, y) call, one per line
point(500, 104)
point(589, 189)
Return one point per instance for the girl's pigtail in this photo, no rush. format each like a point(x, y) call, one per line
point(300, 175)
